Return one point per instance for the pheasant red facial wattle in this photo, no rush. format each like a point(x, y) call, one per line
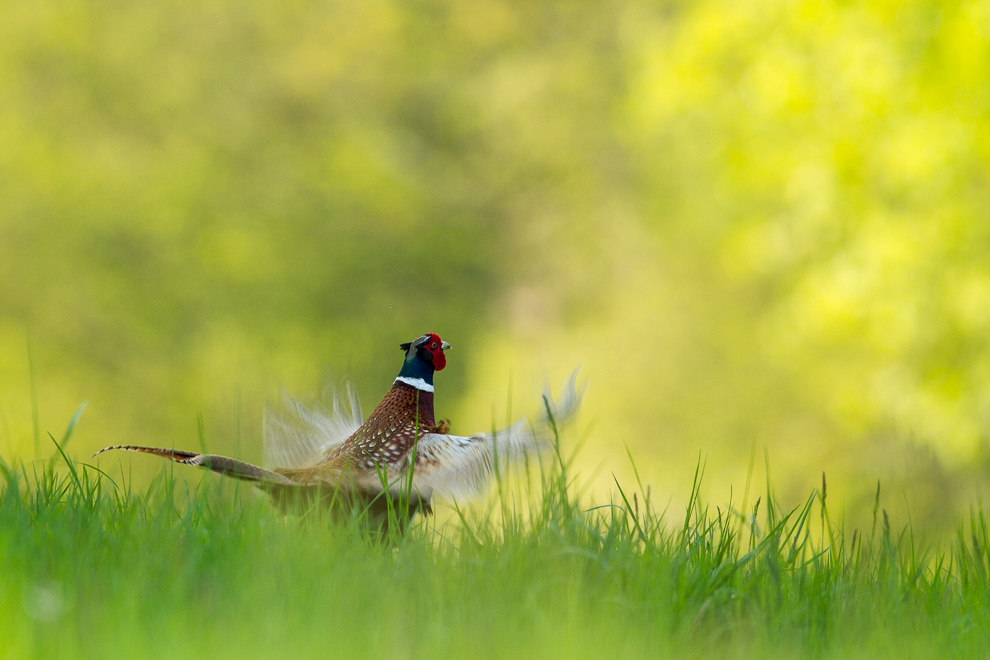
point(435, 348)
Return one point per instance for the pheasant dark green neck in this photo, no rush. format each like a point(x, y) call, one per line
point(415, 368)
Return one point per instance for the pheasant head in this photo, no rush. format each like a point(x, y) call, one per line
point(423, 356)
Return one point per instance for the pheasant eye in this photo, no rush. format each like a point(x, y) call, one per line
point(433, 346)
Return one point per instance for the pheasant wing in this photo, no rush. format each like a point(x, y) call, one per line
point(457, 466)
point(300, 436)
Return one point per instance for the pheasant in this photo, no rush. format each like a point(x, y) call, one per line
point(398, 455)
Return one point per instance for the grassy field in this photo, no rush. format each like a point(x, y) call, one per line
point(91, 568)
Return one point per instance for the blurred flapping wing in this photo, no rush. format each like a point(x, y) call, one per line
point(300, 436)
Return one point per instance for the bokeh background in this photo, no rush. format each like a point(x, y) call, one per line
point(762, 227)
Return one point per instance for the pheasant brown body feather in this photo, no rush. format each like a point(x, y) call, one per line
point(403, 416)
point(380, 444)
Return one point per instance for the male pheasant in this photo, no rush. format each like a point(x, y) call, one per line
point(400, 454)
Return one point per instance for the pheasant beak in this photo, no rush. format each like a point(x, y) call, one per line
point(444, 346)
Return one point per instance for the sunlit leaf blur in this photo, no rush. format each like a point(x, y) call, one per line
point(763, 228)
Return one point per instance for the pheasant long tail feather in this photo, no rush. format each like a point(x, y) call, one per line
point(229, 467)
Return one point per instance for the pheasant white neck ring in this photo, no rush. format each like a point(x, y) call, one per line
point(418, 383)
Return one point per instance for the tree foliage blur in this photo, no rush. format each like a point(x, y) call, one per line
point(757, 224)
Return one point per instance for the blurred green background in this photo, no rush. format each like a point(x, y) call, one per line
point(760, 226)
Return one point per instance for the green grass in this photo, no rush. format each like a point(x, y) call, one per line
point(91, 568)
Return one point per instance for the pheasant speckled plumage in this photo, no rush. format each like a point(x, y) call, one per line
point(332, 457)
point(392, 428)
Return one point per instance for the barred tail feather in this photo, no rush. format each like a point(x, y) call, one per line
point(229, 467)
